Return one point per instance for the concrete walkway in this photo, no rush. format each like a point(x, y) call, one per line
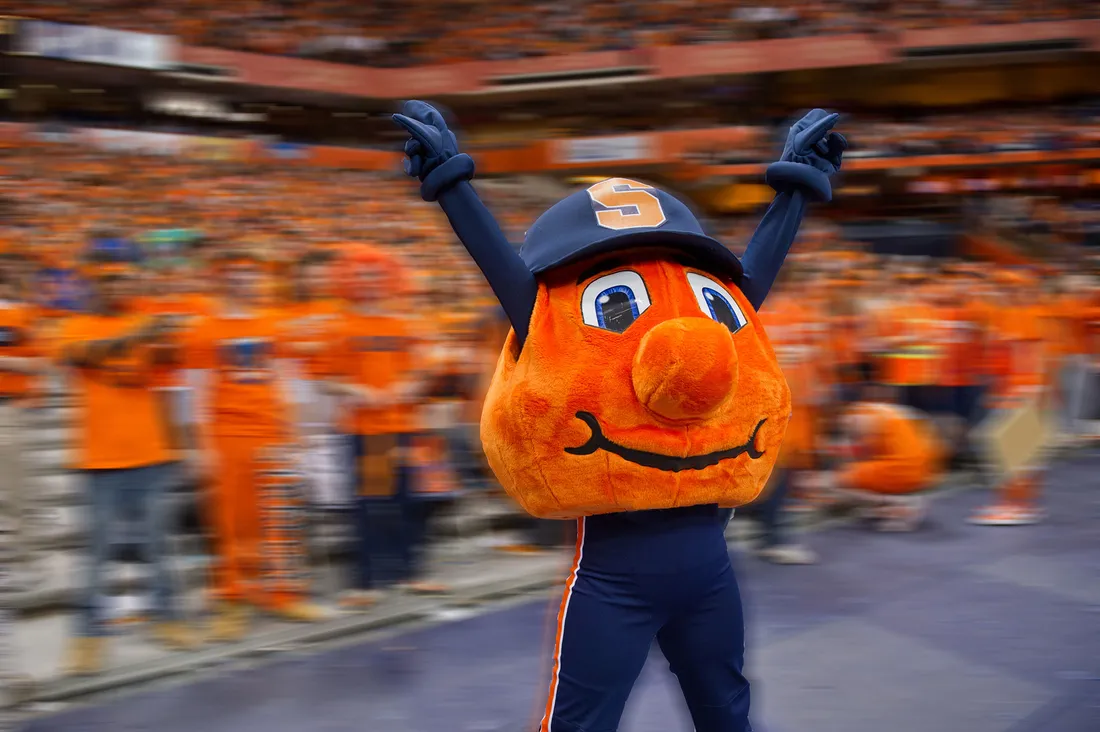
point(956, 628)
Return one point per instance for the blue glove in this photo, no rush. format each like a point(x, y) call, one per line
point(811, 155)
point(432, 153)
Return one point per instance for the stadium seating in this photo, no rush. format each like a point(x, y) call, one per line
point(431, 31)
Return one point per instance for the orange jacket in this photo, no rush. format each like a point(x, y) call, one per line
point(119, 423)
point(897, 450)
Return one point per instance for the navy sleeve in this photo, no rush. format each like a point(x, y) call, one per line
point(770, 243)
point(508, 276)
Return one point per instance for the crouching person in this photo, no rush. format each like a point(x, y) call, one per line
point(891, 458)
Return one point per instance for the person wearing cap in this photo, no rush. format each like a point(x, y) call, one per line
point(123, 450)
point(636, 394)
point(236, 362)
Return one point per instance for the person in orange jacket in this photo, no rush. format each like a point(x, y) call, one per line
point(234, 357)
point(375, 361)
point(890, 457)
point(122, 449)
point(1018, 378)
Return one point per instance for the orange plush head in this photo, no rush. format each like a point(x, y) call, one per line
point(645, 381)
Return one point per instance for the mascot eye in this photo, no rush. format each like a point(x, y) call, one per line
point(614, 301)
point(716, 302)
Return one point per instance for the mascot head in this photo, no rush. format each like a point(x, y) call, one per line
point(646, 380)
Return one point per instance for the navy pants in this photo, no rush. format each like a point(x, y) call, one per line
point(386, 536)
point(385, 551)
point(640, 577)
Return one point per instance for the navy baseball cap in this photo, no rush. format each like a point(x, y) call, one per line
point(579, 226)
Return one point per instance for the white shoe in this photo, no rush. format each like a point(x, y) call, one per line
point(1007, 515)
point(787, 554)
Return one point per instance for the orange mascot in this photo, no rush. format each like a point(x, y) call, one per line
point(638, 394)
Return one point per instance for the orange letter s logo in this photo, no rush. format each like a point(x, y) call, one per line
point(627, 204)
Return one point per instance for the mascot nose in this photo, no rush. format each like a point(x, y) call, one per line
point(685, 368)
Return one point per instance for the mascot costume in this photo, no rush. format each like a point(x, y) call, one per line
point(638, 394)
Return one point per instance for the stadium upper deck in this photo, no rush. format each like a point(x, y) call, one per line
point(389, 33)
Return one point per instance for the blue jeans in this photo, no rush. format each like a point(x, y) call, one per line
point(136, 495)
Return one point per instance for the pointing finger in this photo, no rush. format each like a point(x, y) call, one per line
point(807, 138)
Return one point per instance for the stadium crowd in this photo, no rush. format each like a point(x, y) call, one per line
point(231, 316)
point(390, 33)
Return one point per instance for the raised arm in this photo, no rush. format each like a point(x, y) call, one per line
point(433, 157)
point(811, 155)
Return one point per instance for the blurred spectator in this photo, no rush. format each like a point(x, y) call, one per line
point(376, 358)
point(236, 358)
point(123, 450)
point(890, 458)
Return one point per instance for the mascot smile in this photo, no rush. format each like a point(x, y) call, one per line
point(660, 462)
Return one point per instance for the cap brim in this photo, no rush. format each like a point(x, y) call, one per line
point(712, 254)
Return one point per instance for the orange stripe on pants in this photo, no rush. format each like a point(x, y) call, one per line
point(562, 612)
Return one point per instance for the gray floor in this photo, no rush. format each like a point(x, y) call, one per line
point(955, 629)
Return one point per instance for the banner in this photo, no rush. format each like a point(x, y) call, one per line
point(134, 143)
point(88, 44)
point(585, 150)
